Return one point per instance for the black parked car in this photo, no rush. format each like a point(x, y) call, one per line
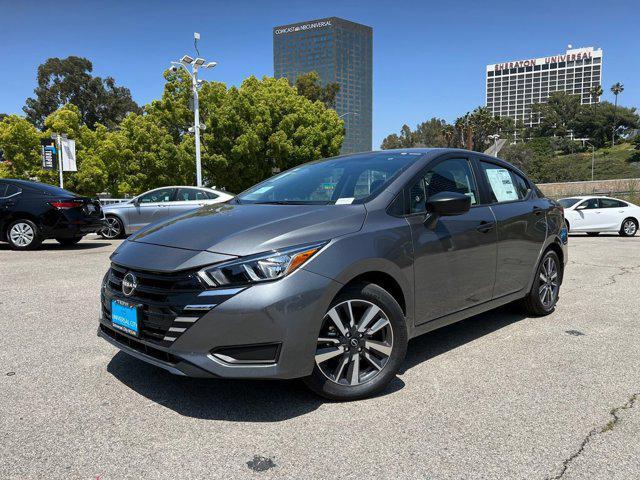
point(31, 212)
point(326, 270)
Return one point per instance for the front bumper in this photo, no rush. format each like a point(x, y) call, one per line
point(287, 313)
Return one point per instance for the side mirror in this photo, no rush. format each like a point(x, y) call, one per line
point(448, 204)
point(581, 207)
point(135, 201)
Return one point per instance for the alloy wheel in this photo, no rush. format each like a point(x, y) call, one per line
point(549, 285)
point(111, 229)
point(21, 234)
point(355, 342)
point(629, 227)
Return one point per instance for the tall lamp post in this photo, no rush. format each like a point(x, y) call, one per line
point(593, 158)
point(195, 64)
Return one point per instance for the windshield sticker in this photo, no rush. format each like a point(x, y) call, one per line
point(345, 201)
point(502, 184)
point(262, 190)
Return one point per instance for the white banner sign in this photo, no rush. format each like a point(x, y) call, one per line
point(69, 155)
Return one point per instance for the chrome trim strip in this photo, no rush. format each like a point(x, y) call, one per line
point(169, 339)
point(200, 307)
point(224, 291)
point(176, 329)
point(234, 361)
point(186, 319)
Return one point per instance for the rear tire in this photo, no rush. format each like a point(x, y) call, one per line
point(361, 345)
point(593, 234)
point(23, 235)
point(629, 227)
point(68, 242)
point(113, 229)
point(545, 291)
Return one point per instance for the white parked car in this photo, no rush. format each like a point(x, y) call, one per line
point(127, 217)
point(593, 215)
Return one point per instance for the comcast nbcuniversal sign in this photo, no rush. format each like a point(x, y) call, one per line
point(301, 28)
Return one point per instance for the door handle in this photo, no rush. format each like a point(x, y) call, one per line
point(485, 227)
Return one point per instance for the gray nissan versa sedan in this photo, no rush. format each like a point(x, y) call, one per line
point(326, 271)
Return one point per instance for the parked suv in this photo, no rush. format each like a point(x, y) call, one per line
point(156, 205)
point(31, 212)
point(326, 271)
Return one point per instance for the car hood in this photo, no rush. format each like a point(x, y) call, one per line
point(239, 230)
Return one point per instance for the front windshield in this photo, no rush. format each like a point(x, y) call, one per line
point(568, 202)
point(339, 180)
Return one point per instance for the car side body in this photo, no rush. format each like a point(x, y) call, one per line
point(45, 212)
point(597, 214)
point(157, 205)
point(439, 268)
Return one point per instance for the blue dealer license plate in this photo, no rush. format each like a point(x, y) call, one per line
point(124, 317)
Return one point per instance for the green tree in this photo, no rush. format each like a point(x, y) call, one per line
point(597, 125)
point(406, 139)
point(432, 133)
point(557, 115)
point(617, 88)
point(476, 127)
point(69, 80)
point(20, 144)
point(596, 92)
point(310, 86)
point(263, 127)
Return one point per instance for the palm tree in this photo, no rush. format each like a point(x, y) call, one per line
point(596, 92)
point(616, 89)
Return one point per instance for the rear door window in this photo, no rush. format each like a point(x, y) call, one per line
point(12, 190)
point(589, 204)
point(504, 184)
point(191, 194)
point(611, 203)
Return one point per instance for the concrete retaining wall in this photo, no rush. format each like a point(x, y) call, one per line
point(624, 186)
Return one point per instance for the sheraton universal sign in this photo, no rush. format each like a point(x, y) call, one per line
point(573, 55)
point(303, 27)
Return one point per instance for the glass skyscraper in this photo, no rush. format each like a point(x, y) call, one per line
point(340, 51)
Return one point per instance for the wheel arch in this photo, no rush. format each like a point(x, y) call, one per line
point(17, 216)
point(120, 217)
point(384, 281)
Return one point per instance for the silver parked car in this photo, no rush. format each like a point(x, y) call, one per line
point(125, 218)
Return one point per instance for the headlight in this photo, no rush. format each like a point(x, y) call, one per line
point(258, 268)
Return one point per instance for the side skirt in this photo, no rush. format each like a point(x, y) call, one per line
point(466, 313)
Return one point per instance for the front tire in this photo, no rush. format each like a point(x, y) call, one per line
point(361, 345)
point(113, 228)
point(629, 227)
point(23, 235)
point(545, 290)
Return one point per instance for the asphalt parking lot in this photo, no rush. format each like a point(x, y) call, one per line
point(499, 395)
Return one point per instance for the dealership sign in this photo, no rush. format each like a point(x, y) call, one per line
point(302, 28)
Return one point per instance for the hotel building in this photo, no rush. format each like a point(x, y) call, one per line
point(512, 87)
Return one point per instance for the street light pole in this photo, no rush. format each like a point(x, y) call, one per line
point(593, 155)
point(195, 84)
point(196, 126)
point(59, 145)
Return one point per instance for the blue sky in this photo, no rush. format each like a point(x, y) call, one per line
point(429, 56)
